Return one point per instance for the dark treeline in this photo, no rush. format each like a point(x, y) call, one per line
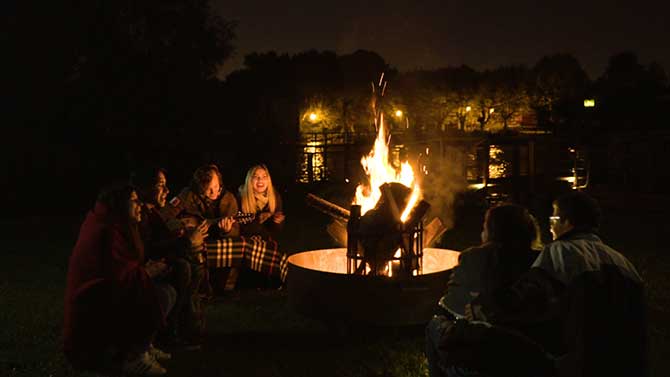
point(98, 88)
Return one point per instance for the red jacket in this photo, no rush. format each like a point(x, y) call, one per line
point(109, 300)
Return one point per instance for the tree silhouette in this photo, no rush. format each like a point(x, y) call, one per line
point(630, 92)
point(512, 97)
point(557, 89)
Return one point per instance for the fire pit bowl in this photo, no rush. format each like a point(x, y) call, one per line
point(320, 288)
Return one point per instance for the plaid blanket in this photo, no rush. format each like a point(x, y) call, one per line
point(252, 252)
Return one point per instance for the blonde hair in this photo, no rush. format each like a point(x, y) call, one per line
point(247, 198)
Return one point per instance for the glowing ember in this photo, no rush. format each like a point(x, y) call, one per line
point(379, 171)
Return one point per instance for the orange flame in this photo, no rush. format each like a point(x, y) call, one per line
point(379, 170)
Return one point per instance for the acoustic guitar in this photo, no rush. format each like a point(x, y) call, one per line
point(192, 220)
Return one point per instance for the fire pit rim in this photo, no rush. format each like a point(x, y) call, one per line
point(428, 251)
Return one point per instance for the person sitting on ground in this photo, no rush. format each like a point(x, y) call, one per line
point(258, 195)
point(510, 244)
point(113, 308)
point(184, 323)
point(207, 198)
point(588, 297)
point(589, 289)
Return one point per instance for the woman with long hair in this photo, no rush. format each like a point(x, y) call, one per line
point(113, 309)
point(258, 195)
point(510, 245)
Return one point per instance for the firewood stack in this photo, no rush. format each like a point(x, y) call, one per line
point(373, 239)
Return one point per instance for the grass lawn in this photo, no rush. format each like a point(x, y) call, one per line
point(254, 332)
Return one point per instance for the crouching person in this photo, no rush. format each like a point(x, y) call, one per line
point(166, 238)
point(112, 307)
point(457, 347)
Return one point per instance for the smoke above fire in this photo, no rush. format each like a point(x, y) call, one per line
point(443, 181)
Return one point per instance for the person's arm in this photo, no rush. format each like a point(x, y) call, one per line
point(228, 208)
point(457, 294)
point(275, 223)
point(124, 264)
point(533, 298)
point(160, 241)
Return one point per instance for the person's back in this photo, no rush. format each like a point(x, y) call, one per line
point(484, 269)
point(508, 237)
point(603, 307)
point(585, 289)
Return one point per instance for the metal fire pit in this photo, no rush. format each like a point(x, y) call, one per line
point(319, 287)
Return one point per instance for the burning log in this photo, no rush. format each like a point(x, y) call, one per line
point(431, 231)
point(338, 228)
point(330, 209)
point(379, 230)
point(384, 233)
point(338, 231)
point(380, 235)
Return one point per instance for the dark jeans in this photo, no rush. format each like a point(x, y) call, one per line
point(181, 280)
point(463, 348)
point(167, 296)
point(186, 318)
point(437, 365)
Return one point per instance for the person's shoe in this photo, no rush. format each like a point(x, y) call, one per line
point(143, 365)
point(158, 354)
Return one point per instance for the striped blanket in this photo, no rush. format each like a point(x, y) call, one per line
point(252, 252)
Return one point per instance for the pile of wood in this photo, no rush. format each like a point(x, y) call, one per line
point(379, 233)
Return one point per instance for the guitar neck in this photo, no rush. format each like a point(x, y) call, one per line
point(240, 217)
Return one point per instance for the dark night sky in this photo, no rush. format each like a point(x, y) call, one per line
point(432, 33)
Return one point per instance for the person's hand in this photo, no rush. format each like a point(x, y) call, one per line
point(226, 224)
point(156, 268)
point(197, 235)
point(469, 315)
point(278, 217)
point(263, 216)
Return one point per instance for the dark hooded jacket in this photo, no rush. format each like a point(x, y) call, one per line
point(110, 300)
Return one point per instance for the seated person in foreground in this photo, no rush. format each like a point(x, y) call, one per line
point(258, 195)
point(509, 237)
point(510, 244)
point(206, 198)
point(588, 295)
point(112, 307)
point(185, 324)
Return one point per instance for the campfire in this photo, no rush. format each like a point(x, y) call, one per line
point(385, 273)
point(383, 230)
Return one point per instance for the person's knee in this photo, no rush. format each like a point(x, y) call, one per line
point(167, 296)
point(436, 327)
point(182, 271)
